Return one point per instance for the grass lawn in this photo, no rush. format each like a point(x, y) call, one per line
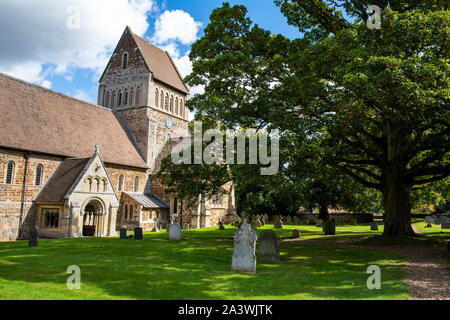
point(198, 267)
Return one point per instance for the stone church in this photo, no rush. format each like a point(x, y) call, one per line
point(75, 169)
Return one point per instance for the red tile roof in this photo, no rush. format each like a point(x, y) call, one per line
point(36, 119)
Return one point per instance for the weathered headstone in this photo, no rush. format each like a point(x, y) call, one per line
point(288, 220)
point(294, 220)
point(429, 219)
point(123, 233)
point(236, 221)
point(266, 219)
point(442, 219)
point(296, 234)
point(445, 225)
point(269, 250)
point(34, 237)
point(374, 226)
point(244, 258)
point(175, 232)
point(254, 223)
point(168, 227)
point(138, 234)
point(329, 227)
point(221, 226)
point(278, 224)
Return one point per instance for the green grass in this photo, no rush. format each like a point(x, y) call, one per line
point(198, 267)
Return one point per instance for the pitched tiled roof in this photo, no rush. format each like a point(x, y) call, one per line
point(148, 200)
point(62, 180)
point(160, 64)
point(36, 119)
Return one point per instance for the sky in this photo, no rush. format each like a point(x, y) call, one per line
point(65, 45)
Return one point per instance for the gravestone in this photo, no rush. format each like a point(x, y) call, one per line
point(429, 219)
point(123, 233)
point(294, 220)
point(445, 225)
point(442, 219)
point(175, 232)
point(278, 224)
point(221, 226)
point(155, 227)
point(254, 223)
point(296, 234)
point(374, 226)
point(236, 221)
point(168, 227)
point(269, 250)
point(288, 220)
point(329, 227)
point(34, 237)
point(244, 259)
point(266, 219)
point(138, 234)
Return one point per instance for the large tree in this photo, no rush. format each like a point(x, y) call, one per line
point(382, 95)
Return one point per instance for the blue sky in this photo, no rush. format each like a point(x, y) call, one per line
point(66, 61)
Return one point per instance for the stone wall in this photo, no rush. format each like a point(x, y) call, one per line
point(12, 209)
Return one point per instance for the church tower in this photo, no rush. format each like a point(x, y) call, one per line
point(143, 84)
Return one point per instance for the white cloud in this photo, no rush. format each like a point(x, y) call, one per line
point(41, 33)
point(176, 25)
point(84, 96)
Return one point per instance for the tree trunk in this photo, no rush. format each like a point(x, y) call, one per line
point(323, 212)
point(397, 209)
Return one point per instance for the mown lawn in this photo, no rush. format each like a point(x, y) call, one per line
point(198, 267)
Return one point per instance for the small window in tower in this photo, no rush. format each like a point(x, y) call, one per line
point(126, 212)
point(125, 99)
point(125, 60)
point(156, 97)
point(171, 104)
point(10, 173)
point(162, 100)
point(120, 183)
point(166, 102)
point(39, 170)
point(136, 184)
point(132, 97)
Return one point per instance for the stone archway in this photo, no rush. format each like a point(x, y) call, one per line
point(94, 219)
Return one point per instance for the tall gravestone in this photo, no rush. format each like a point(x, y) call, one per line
point(138, 234)
point(374, 226)
point(34, 237)
point(269, 250)
point(329, 227)
point(123, 233)
point(244, 258)
point(175, 232)
point(296, 234)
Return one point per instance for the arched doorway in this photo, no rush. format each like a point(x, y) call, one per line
point(94, 221)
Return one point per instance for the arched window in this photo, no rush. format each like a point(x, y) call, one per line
point(138, 96)
point(132, 97)
point(39, 170)
point(120, 183)
point(171, 104)
point(97, 182)
point(10, 172)
point(113, 100)
point(176, 106)
point(125, 98)
point(126, 212)
point(125, 60)
point(119, 99)
point(89, 184)
point(107, 100)
point(131, 212)
point(105, 185)
point(136, 184)
point(182, 109)
point(156, 98)
point(175, 206)
point(50, 219)
point(166, 102)
point(161, 101)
